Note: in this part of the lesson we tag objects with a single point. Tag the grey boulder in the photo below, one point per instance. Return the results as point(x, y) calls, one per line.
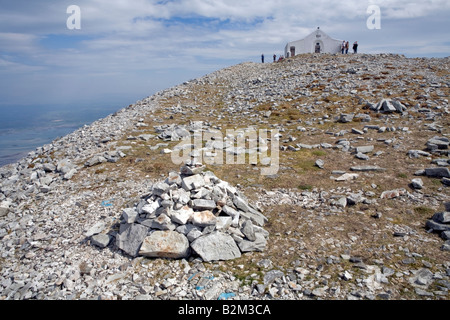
point(216, 246)
point(438, 172)
point(259, 244)
point(165, 244)
point(130, 238)
point(101, 240)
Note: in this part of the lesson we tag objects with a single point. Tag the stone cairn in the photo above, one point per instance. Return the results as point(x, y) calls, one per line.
point(192, 212)
point(388, 106)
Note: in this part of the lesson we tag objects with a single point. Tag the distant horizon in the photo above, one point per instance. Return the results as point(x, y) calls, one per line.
point(25, 128)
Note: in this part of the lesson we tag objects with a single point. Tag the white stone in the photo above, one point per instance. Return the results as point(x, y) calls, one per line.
point(165, 244)
point(203, 218)
point(216, 246)
point(151, 207)
point(181, 216)
point(193, 182)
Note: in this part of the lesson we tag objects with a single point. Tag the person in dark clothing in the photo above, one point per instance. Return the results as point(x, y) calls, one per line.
point(274, 57)
point(262, 58)
point(355, 47)
point(346, 47)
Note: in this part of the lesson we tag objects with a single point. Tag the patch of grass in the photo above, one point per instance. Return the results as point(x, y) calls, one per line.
point(245, 268)
point(305, 187)
point(319, 153)
point(246, 279)
point(100, 170)
point(422, 210)
point(332, 98)
point(264, 107)
point(402, 175)
point(435, 182)
point(304, 160)
point(305, 166)
point(154, 167)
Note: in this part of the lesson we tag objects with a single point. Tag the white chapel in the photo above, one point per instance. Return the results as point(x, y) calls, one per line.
point(316, 42)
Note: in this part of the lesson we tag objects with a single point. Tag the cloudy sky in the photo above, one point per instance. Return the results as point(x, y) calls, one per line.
point(127, 50)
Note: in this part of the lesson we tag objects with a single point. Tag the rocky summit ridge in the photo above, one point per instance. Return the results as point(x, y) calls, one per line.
point(357, 208)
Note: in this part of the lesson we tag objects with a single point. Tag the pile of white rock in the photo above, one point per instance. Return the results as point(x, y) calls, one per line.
point(190, 213)
point(388, 106)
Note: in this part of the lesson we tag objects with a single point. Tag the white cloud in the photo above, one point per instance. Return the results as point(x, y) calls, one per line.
point(123, 45)
point(7, 67)
point(19, 42)
point(405, 9)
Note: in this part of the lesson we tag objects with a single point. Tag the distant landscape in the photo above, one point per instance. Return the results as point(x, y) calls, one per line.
point(24, 128)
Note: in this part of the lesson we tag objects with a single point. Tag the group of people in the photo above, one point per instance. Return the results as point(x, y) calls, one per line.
point(274, 58)
point(345, 46)
point(344, 49)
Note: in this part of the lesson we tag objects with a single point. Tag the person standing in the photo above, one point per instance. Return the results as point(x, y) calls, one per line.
point(274, 57)
point(262, 58)
point(346, 47)
point(343, 47)
point(355, 47)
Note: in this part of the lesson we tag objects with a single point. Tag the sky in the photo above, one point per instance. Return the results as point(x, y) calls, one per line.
point(121, 51)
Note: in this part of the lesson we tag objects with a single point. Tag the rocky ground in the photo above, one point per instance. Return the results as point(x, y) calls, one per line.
point(357, 210)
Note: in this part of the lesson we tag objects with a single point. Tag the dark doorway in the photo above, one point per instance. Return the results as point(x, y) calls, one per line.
point(317, 48)
point(292, 51)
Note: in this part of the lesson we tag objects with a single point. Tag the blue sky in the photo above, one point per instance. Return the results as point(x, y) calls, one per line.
point(128, 50)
